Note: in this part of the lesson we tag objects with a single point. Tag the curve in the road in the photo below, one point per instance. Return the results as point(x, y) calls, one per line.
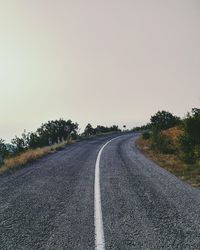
point(50, 203)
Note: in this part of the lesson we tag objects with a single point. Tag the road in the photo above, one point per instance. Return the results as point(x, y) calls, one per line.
point(50, 203)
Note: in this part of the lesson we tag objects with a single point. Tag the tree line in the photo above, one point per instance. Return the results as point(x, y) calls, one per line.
point(51, 132)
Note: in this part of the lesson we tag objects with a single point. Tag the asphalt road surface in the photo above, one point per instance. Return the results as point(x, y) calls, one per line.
point(50, 204)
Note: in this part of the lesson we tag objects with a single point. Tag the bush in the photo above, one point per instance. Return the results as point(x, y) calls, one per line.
point(19, 144)
point(189, 143)
point(163, 120)
point(3, 149)
point(146, 135)
point(197, 152)
point(162, 143)
point(186, 149)
point(192, 126)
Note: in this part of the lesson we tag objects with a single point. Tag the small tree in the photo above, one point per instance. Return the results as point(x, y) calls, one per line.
point(54, 130)
point(192, 126)
point(190, 141)
point(34, 140)
point(161, 142)
point(146, 135)
point(186, 149)
point(3, 150)
point(163, 120)
point(89, 130)
point(19, 143)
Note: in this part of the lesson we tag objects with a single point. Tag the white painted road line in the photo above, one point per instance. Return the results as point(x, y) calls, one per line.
point(98, 220)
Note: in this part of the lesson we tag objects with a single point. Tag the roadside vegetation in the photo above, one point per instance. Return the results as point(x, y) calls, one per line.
point(48, 138)
point(174, 143)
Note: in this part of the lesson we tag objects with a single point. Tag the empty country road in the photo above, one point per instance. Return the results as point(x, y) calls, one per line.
point(103, 185)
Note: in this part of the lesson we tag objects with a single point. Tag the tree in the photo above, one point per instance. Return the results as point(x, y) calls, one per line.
point(89, 130)
point(192, 126)
point(161, 142)
point(55, 131)
point(102, 129)
point(3, 149)
point(195, 112)
point(115, 128)
point(190, 140)
point(19, 143)
point(34, 140)
point(163, 120)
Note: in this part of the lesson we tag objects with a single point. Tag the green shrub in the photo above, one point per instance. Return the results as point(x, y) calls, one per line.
point(197, 152)
point(163, 120)
point(189, 143)
point(186, 149)
point(162, 143)
point(3, 149)
point(146, 135)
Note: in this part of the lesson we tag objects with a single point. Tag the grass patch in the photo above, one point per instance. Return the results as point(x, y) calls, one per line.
point(30, 156)
point(172, 163)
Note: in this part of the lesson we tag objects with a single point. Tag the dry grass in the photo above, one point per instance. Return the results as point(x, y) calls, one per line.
point(30, 155)
point(174, 132)
point(172, 163)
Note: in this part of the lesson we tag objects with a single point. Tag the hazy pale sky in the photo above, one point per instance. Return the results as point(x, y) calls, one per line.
point(98, 61)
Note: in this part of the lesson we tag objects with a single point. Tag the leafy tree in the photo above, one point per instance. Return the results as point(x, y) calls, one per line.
point(192, 126)
point(55, 131)
point(3, 149)
point(11, 149)
point(148, 126)
point(146, 135)
point(195, 112)
point(89, 130)
point(48, 133)
point(190, 140)
point(161, 142)
point(163, 120)
point(187, 149)
point(19, 143)
point(34, 140)
point(102, 129)
point(114, 128)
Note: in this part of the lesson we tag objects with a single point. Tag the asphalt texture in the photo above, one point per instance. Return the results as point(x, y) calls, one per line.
point(49, 204)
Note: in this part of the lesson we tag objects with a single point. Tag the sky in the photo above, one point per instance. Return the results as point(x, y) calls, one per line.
point(104, 62)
